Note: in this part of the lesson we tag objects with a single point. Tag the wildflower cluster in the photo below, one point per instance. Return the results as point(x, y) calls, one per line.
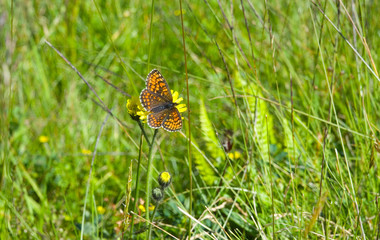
point(234, 155)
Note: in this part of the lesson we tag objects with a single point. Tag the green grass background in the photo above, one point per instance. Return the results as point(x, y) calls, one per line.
point(305, 120)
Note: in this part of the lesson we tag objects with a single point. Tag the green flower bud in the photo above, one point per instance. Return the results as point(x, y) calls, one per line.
point(157, 194)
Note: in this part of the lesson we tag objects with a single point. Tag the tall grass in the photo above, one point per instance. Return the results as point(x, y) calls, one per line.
point(284, 116)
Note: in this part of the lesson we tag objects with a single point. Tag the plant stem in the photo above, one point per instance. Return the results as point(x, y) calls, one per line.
point(150, 225)
point(150, 32)
point(148, 188)
point(143, 132)
point(189, 124)
point(137, 185)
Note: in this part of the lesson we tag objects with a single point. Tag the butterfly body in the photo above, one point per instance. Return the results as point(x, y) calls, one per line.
point(157, 99)
point(163, 107)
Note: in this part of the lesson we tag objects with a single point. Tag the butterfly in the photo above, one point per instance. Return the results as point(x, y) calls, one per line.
point(157, 99)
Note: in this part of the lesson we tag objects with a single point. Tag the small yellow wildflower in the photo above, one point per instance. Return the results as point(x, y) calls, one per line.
point(43, 139)
point(86, 151)
point(135, 109)
point(176, 99)
point(142, 208)
point(151, 207)
point(234, 155)
point(101, 210)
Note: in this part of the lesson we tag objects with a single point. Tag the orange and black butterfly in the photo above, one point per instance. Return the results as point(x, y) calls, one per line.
point(157, 99)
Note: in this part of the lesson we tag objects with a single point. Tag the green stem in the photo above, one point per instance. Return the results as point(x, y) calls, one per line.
point(150, 32)
point(143, 132)
point(150, 225)
point(189, 124)
point(148, 188)
point(137, 185)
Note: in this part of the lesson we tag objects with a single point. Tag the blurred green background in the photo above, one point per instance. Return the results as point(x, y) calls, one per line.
point(279, 82)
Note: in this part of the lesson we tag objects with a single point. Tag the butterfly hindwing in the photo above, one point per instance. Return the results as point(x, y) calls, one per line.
point(157, 84)
point(150, 100)
point(173, 122)
point(156, 119)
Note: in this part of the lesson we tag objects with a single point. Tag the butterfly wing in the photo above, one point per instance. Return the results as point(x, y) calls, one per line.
point(173, 121)
point(155, 83)
point(150, 100)
point(156, 119)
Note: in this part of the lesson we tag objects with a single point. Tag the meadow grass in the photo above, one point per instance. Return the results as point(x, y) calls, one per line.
point(283, 99)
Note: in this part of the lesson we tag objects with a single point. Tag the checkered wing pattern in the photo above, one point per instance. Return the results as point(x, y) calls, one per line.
point(150, 100)
point(155, 83)
point(155, 119)
point(173, 122)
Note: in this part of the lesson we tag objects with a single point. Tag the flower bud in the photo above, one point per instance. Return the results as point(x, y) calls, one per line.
point(164, 179)
point(157, 194)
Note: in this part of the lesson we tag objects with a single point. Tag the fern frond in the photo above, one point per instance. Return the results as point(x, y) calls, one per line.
point(259, 115)
point(206, 171)
point(289, 144)
point(209, 136)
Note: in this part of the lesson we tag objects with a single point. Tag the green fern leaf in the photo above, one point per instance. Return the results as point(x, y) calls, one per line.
point(209, 136)
point(203, 165)
point(259, 115)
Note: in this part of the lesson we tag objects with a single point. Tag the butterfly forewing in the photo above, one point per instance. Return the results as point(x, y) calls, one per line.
point(173, 121)
point(156, 84)
point(155, 119)
point(150, 100)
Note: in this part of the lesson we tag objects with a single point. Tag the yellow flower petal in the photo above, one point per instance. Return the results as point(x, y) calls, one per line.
point(181, 107)
point(175, 95)
point(143, 115)
point(179, 100)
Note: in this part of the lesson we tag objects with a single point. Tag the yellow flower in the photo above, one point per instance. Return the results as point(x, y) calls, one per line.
point(151, 207)
point(164, 179)
point(43, 139)
point(135, 109)
point(234, 155)
point(86, 151)
point(101, 210)
point(142, 208)
point(177, 100)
